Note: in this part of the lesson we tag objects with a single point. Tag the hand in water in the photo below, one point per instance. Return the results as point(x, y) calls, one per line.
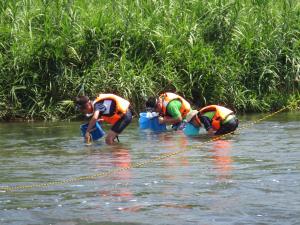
point(211, 131)
point(87, 138)
point(160, 120)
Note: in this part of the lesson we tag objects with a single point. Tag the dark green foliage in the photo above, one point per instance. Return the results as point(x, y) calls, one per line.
point(243, 54)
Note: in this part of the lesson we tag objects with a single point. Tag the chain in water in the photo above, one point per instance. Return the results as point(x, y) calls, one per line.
point(113, 171)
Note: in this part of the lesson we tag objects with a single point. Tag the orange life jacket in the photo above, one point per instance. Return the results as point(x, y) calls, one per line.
point(167, 97)
point(122, 106)
point(221, 114)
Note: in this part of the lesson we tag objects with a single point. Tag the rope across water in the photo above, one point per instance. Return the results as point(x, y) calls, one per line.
point(4, 189)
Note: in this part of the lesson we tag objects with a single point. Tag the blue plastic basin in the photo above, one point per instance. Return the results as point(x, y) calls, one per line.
point(149, 120)
point(96, 131)
point(144, 121)
point(155, 126)
point(190, 130)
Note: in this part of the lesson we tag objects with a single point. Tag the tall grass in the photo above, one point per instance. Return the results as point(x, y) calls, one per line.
point(245, 54)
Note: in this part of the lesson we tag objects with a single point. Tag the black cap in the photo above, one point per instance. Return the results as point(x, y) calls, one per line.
point(151, 103)
point(81, 101)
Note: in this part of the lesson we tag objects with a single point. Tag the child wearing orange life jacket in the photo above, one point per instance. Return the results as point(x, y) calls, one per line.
point(216, 119)
point(111, 108)
point(171, 107)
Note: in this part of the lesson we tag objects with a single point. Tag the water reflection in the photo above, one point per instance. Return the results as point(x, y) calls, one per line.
point(174, 143)
point(221, 155)
point(251, 178)
point(112, 158)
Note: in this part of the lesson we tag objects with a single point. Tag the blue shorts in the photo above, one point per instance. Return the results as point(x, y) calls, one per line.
point(123, 122)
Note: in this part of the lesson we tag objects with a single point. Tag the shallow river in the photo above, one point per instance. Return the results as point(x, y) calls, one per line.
point(251, 177)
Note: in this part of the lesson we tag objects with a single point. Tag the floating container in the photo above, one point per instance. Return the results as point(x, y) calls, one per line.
point(96, 132)
point(191, 130)
point(144, 120)
point(156, 126)
point(149, 120)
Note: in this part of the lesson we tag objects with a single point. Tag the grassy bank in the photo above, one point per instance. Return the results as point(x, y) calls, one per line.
point(244, 54)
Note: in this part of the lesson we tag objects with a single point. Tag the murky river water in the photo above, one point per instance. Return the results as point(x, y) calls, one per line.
point(252, 177)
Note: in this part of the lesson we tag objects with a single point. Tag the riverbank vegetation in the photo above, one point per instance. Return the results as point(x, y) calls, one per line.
point(244, 54)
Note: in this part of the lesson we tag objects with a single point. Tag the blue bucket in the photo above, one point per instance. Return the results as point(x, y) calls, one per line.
point(156, 126)
point(190, 130)
point(144, 121)
point(96, 131)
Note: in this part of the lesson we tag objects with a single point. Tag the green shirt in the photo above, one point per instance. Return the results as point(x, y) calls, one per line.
point(209, 114)
point(173, 108)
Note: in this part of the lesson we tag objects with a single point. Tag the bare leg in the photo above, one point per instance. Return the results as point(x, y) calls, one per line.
point(111, 135)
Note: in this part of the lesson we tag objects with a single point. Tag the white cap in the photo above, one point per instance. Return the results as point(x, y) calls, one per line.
point(190, 115)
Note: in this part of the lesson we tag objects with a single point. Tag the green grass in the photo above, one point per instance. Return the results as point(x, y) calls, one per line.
point(243, 54)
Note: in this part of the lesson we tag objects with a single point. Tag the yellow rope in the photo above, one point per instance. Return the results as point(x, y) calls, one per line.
point(113, 171)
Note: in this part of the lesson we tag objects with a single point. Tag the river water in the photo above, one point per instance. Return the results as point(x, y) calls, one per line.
point(251, 177)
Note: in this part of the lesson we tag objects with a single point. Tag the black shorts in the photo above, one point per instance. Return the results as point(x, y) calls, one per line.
point(228, 127)
point(122, 123)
